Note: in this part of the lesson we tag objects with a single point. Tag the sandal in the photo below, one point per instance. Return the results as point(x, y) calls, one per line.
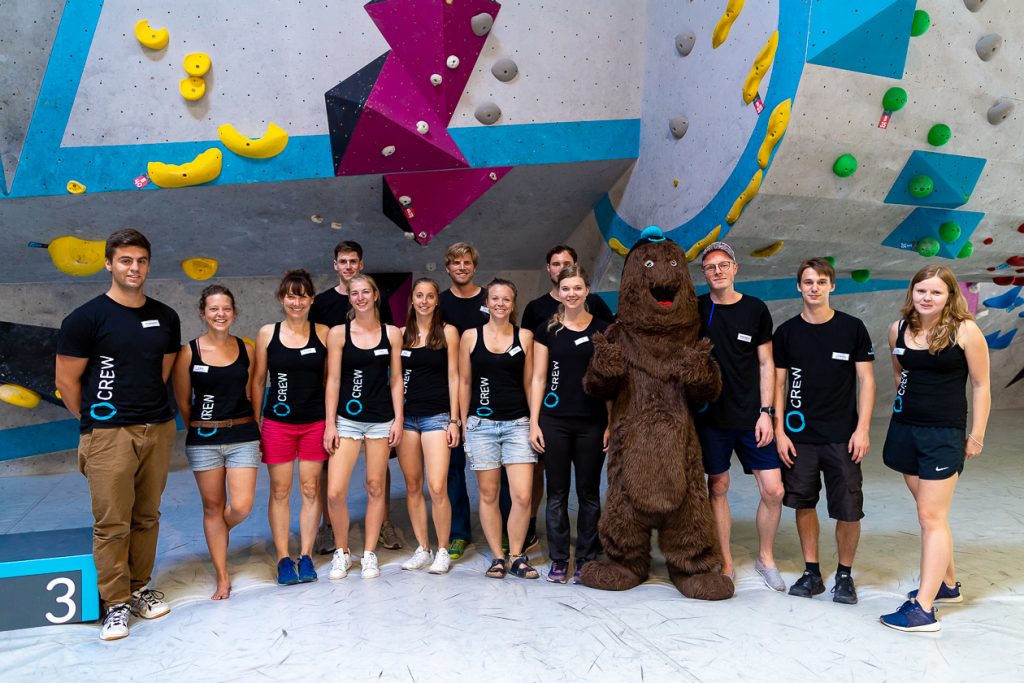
point(497, 569)
point(521, 568)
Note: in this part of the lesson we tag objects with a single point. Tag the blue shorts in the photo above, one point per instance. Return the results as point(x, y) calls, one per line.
point(351, 429)
point(925, 452)
point(214, 456)
point(493, 443)
point(717, 446)
point(430, 423)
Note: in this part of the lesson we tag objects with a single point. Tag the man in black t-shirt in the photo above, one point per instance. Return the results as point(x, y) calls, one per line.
point(539, 311)
point(822, 422)
point(740, 328)
point(114, 356)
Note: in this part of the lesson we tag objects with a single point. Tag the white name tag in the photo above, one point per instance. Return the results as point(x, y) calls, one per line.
point(380, 352)
point(151, 323)
point(840, 356)
point(582, 340)
point(898, 351)
point(484, 309)
point(514, 350)
point(406, 353)
point(306, 352)
point(743, 337)
point(200, 368)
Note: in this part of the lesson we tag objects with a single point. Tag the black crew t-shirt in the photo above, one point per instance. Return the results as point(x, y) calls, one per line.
point(465, 314)
point(538, 312)
point(365, 394)
point(569, 353)
point(331, 308)
point(296, 389)
point(219, 393)
point(123, 382)
point(735, 330)
point(821, 389)
point(496, 388)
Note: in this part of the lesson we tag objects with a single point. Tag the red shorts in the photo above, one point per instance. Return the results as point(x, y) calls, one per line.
point(283, 442)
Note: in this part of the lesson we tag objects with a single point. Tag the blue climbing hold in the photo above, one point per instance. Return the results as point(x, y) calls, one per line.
point(997, 340)
point(1005, 300)
point(652, 233)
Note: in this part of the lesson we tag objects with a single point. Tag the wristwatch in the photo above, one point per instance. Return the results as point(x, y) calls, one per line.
point(768, 410)
point(457, 423)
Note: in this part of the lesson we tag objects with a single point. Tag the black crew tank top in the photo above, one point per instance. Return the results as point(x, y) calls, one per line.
point(365, 394)
point(295, 393)
point(496, 388)
point(932, 390)
point(218, 393)
point(425, 376)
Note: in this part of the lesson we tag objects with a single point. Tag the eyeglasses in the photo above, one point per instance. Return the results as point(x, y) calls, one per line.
point(724, 266)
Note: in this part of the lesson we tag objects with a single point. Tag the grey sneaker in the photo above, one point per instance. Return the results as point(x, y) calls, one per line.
point(148, 604)
point(389, 537)
point(772, 577)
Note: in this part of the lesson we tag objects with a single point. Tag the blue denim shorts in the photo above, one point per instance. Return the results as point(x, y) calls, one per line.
point(493, 443)
point(214, 456)
point(430, 423)
point(351, 429)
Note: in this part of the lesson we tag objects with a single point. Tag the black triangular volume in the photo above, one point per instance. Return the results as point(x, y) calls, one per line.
point(27, 358)
point(1017, 378)
point(345, 103)
point(394, 210)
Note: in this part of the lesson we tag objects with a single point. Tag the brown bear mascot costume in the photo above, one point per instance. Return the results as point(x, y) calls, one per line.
point(652, 366)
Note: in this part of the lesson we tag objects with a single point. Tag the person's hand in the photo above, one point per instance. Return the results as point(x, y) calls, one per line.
point(786, 449)
point(972, 447)
point(536, 438)
point(331, 440)
point(859, 445)
point(453, 434)
point(604, 439)
point(763, 431)
point(395, 434)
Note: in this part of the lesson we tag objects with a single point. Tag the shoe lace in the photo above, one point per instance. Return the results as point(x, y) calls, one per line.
point(151, 597)
point(117, 615)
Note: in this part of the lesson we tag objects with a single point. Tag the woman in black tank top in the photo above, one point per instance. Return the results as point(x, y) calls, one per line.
point(212, 381)
point(430, 375)
point(292, 424)
point(364, 407)
point(936, 346)
point(495, 367)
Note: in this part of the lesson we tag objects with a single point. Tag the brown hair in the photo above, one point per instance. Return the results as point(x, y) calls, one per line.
point(347, 247)
point(502, 282)
point(126, 237)
point(212, 290)
point(435, 337)
point(819, 265)
point(557, 321)
point(558, 249)
point(953, 313)
point(376, 291)
point(461, 249)
point(298, 282)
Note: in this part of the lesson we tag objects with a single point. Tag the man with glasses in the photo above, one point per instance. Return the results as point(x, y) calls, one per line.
point(740, 327)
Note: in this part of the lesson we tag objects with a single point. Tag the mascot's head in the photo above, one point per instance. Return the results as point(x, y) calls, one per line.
point(656, 293)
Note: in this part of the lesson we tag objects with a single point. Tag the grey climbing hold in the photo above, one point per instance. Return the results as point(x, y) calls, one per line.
point(505, 69)
point(487, 113)
point(482, 23)
point(987, 46)
point(685, 42)
point(974, 5)
point(1000, 111)
point(678, 125)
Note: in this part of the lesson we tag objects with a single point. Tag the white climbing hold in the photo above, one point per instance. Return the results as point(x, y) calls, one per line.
point(453, 62)
point(435, 79)
point(422, 127)
point(405, 200)
point(388, 151)
point(987, 46)
point(422, 235)
point(492, 175)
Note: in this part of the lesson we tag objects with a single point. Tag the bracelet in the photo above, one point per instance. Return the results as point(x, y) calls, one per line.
point(971, 437)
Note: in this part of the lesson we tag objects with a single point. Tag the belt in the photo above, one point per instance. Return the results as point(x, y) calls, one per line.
point(222, 424)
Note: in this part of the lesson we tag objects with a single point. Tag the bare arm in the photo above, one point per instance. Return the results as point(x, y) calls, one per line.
point(250, 351)
point(897, 369)
point(860, 441)
point(465, 373)
point(451, 336)
point(183, 383)
point(259, 372)
point(783, 444)
point(526, 340)
point(397, 386)
point(976, 349)
point(69, 373)
point(335, 343)
point(538, 381)
point(763, 431)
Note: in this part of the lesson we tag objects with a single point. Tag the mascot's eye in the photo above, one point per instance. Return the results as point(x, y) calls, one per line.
point(673, 263)
point(649, 263)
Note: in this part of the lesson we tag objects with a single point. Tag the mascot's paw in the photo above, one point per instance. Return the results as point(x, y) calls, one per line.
point(712, 586)
point(607, 357)
point(609, 576)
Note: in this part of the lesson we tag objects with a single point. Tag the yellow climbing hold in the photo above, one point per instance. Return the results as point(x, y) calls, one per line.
point(199, 268)
point(271, 144)
point(192, 88)
point(204, 168)
point(721, 32)
point(741, 202)
point(18, 396)
point(75, 256)
point(778, 122)
point(770, 250)
point(153, 38)
point(197, 63)
point(618, 247)
point(75, 187)
point(763, 60)
point(693, 252)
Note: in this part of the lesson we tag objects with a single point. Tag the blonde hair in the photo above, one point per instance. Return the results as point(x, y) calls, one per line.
point(461, 249)
point(953, 313)
point(376, 295)
point(502, 282)
point(557, 321)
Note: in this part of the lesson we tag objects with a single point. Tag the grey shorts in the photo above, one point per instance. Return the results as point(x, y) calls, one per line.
point(493, 443)
point(213, 456)
point(351, 429)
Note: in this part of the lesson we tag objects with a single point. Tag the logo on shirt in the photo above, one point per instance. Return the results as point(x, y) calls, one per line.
point(897, 405)
point(282, 409)
point(206, 414)
point(795, 420)
point(105, 409)
point(551, 400)
point(485, 409)
point(405, 379)
point(355, 406)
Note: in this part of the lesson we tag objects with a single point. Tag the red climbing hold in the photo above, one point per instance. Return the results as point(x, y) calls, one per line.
point(987, 240)
point(1016, 261)
point(1003, 280)
point(1020, 228)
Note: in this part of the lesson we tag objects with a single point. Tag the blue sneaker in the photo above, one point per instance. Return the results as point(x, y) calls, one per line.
point(946, 594)
point(286, 575)
point(912, 617)
point(307, 572)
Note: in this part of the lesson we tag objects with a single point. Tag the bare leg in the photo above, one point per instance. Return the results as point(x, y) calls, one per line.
point(933, 501)
point(489, 483)
point(436, 455)
point(278, 510)
point(718, 490)
point(807, 528)
point(211, 490)
point(847, 538)
point(309, 515)
point(520, 484)
point(410, 458)
point(377, 452)
point(950, 578)
point(769, 512)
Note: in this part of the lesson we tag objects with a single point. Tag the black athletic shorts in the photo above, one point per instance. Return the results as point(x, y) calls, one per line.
point(926, 452)
point(844, 484)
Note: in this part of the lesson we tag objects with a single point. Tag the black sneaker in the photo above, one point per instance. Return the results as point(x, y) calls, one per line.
point(844, 590)
point(531, 542)
point(807, 586)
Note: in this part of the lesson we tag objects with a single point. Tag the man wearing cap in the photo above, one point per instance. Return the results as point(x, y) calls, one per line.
point(740, 327)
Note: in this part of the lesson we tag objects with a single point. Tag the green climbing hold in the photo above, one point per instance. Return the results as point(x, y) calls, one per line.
point(921, 186)
point(894, 99)
point(949, 231)
point(861, 275)
point(939, 135)
point(927, 247)
point(831, 260)
point(966, 251)
point(845, 166)
point(921, 23)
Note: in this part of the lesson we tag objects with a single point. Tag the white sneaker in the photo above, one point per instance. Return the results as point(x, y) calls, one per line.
point(148, 604)
point(420, 559)
point(115, 624)
point(370, 569)
point(442, 562)
point(339, 565)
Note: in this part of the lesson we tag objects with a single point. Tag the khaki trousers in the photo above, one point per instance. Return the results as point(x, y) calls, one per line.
point(127, 471)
